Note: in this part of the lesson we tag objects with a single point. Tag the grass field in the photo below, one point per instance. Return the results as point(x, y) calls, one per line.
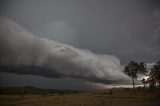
point(117, 98)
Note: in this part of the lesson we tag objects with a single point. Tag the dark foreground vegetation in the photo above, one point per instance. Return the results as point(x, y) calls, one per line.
point(30, 96)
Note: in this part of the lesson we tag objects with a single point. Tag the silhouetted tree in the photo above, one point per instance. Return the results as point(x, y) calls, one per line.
point(144, 81)
point(151, 82)
point(154, 75)
point(133, 68)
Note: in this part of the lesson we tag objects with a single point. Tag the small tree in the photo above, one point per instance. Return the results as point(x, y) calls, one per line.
point(154, 75)
point(133, 68)
point(144, 81)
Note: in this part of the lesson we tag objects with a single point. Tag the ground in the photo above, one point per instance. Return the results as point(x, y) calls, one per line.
point(116, 98)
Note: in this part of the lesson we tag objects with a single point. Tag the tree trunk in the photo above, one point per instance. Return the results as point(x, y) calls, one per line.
point(133, 82)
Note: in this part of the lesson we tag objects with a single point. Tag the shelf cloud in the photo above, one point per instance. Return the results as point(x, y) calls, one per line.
point(22, 52)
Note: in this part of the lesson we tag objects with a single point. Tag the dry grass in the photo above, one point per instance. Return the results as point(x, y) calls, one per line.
point(143, 98)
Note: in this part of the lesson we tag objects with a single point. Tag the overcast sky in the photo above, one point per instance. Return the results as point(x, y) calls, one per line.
point(127, 29)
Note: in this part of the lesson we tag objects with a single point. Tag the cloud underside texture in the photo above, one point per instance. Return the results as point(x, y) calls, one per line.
point(22, 52)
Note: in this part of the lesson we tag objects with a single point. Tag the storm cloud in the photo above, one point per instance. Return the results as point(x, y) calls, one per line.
point(24, 53)
point(128, 29)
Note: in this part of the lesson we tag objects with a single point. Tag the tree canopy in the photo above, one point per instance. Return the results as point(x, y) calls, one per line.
point(133, 68)
point(154, 75)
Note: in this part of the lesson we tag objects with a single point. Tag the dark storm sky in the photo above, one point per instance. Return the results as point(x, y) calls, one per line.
point(128, 29)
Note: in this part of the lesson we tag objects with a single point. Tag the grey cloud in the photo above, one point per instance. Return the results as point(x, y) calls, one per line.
point(128, 29)
point(24, 53)
point(62, 31)
point(13, 79)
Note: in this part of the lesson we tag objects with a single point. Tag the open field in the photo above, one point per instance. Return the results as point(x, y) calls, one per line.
point(117, 98)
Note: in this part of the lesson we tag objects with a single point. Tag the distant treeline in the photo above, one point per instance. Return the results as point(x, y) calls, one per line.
point(32, 90)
